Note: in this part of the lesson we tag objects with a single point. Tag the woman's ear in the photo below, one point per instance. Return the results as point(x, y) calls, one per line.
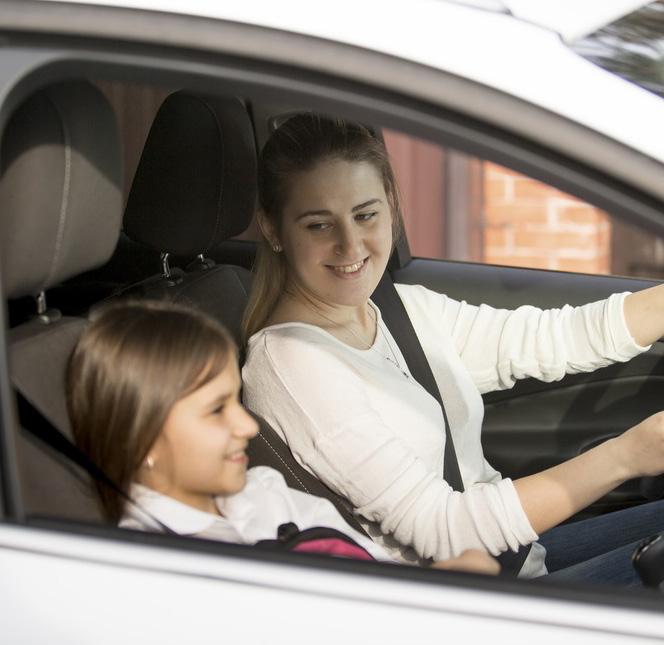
point(267, 230)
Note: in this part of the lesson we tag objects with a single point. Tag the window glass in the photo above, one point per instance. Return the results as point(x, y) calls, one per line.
point(632, 47)
point(458, 207)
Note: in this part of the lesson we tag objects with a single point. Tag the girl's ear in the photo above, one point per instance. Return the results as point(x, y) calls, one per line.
point(267, 230)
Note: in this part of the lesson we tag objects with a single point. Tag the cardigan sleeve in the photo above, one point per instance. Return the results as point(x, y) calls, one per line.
point(333, 429)
point(500, 346)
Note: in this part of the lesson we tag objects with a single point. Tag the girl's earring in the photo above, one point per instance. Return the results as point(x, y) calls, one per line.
point(276, 248)
point(149, 462)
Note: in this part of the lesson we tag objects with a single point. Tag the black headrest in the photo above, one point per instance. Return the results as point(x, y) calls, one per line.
point(60, 188)
point(195, 185)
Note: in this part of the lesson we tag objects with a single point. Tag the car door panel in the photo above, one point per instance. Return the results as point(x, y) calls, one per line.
point(536, 425)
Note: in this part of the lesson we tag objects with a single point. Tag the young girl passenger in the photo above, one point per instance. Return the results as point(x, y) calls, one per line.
point(153, 395)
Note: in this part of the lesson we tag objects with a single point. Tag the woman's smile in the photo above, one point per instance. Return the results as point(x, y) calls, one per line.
point(349, 271)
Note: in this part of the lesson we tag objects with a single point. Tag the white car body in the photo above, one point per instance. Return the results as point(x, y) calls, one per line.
point(57, 587)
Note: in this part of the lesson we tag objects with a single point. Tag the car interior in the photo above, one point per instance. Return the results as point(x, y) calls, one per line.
point(73, 236)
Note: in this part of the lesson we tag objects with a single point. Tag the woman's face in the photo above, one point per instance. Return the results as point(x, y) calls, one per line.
point(336, 232)
point(200, 452)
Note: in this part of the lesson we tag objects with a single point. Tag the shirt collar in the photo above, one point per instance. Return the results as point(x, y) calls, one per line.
point(178, 517)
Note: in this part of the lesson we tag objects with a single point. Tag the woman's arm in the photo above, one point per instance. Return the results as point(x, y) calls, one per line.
point(471, 561)
point(644, 314)
point(500, 346)
point(550, 497)
point(333, 424)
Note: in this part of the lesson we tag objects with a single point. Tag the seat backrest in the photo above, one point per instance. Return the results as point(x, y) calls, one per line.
point(60, 205)
point(195, 187)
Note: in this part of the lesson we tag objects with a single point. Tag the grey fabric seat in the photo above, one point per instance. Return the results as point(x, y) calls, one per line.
point(60, 215)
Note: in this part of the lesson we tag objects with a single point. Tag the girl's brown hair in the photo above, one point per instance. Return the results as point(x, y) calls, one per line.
point(131, 365)
point(298, 145)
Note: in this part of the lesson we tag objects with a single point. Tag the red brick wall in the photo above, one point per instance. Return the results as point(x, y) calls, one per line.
point(529, 224)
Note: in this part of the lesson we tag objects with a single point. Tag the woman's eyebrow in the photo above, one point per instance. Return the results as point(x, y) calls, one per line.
point(310, 213)
point(369, 202)
point(323, 211)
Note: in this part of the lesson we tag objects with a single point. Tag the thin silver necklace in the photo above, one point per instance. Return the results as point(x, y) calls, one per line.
point(394, 360)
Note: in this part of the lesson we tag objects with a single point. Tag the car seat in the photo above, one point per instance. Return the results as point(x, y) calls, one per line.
point(195, 187)
point(60, 205)
point(197, 168)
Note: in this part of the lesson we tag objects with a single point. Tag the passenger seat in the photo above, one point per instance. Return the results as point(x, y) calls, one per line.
point(195, 187)
point(60, 205)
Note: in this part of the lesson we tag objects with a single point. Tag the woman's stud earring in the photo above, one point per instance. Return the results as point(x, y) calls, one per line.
point(149, 462)
point(277, 248)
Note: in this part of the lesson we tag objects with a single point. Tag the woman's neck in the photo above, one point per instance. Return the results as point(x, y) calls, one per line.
point(354, 325)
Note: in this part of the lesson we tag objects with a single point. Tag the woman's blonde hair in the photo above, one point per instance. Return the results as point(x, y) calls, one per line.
point(131, 365)
point(298, 145)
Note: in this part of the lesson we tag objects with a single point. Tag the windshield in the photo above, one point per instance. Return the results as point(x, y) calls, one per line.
point(632, 47)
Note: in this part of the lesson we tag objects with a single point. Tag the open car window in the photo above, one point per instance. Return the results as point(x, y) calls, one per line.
point(449, 165)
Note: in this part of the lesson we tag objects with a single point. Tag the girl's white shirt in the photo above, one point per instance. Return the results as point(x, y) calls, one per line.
point(253, 514)
point(373, 434)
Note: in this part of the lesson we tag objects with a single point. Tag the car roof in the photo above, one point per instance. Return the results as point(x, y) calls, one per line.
point(568, 18)
point(572, 19)
point(467, 41)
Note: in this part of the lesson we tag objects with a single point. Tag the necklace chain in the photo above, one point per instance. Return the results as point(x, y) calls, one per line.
point(379, 330)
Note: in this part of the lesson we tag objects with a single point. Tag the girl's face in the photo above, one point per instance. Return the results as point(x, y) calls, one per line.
point(200, 452)
point(336, 232)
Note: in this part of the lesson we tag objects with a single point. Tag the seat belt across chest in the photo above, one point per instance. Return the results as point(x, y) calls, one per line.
point(398, 322)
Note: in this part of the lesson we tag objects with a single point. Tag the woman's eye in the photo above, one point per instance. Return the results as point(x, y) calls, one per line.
point(363, 217)
point(318, 226)
point(218, 410)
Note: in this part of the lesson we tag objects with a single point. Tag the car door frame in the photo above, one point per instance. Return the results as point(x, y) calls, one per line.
point(39, 59)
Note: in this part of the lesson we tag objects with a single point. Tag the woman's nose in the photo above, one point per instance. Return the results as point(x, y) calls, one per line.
point(349, 240)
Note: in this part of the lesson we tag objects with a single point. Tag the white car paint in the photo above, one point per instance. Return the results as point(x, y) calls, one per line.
point(131, 593)
point(493, 49)
point(135, 593)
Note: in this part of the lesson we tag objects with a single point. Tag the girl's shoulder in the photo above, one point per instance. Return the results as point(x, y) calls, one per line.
point(264, 477)
point(265, 491)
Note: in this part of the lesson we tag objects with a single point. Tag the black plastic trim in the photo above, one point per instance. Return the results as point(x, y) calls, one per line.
point(23, 71)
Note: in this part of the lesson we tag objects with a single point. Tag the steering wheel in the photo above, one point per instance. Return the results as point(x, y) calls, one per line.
point(652, 488)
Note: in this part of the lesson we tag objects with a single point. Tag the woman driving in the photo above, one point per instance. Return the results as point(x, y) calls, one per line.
point(325, 371)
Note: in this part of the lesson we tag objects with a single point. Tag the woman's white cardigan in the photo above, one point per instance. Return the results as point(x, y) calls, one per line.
point(364, 426)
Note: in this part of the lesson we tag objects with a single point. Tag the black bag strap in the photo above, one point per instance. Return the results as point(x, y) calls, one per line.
point(35, 423)
point(396, 319)
point(289, 536)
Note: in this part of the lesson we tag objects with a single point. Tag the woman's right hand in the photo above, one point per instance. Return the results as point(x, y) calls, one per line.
point(642, 447)
point(553, 495)
point(471, 560)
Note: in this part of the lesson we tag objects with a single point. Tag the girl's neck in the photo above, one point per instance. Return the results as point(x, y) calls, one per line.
point(205, 503)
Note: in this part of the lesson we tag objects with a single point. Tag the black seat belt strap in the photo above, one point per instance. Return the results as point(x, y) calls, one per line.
point(34, 422)
point(398, 322)
point(396, 319)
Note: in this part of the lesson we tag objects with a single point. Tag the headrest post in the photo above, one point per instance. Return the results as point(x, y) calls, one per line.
point(41, 303)
point(44, 314)
point(165, 266)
